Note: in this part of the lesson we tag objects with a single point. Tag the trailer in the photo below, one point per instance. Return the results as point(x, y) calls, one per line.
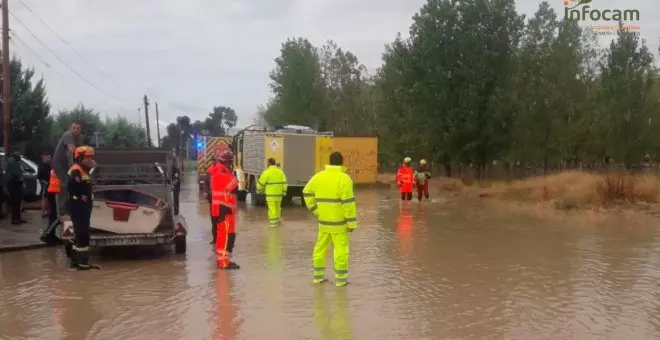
point(132, 202)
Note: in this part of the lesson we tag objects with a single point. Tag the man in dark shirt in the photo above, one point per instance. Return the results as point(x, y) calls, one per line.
point(176, 185)
point(43, 176)
point(14, 183)
point(63, 159)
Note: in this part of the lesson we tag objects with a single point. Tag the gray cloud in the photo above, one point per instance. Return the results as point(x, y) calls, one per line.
point(196, 54)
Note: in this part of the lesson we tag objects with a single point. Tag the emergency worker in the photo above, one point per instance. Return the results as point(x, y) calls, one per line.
point(213, 168)
point(80, 205)
point(329, 196)
point(404, 179)
point(224, 188)
point(273, 183)
point(422, 176)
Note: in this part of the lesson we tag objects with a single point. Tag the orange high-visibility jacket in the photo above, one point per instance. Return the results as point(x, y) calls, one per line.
point(404, 178)
point(54, 184)
point(222, 183)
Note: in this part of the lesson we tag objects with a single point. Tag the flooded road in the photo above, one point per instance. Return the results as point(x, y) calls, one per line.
point(435, 270)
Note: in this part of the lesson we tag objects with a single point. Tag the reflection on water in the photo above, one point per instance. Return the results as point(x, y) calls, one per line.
point(331, 315)
point(430, 270)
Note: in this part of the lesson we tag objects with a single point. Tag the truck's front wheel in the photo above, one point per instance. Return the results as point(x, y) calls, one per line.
point(180, 244)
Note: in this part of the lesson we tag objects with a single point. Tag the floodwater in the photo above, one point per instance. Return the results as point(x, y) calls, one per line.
point(435, 270)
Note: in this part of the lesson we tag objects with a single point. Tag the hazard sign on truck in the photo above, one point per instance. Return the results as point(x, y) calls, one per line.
point(205, 156)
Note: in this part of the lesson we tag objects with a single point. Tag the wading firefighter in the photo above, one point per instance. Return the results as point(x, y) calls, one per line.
point(273, 183)
point(329, 196)
point(80, 205)
point(422, 176)
point(224, 188)
point(405, 179)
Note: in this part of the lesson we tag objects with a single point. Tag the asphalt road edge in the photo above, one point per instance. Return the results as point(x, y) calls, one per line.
point(20, 247)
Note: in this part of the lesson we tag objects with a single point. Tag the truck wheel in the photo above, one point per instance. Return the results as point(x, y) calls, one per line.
point(180, 244)
point(68, 248)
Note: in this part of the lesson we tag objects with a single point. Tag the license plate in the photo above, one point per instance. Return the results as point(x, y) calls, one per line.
point(117, 242)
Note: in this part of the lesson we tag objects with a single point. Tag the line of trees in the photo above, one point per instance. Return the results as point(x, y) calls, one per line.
point(477, 82)
point(35, 129)
point(216, 124)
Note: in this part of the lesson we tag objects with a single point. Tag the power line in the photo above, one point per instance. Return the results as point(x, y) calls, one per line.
point(62, 61)
point(62, 79)
point(17, 38)
point(67, 43)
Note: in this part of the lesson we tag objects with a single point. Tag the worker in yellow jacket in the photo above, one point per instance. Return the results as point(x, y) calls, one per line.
point(272, 182)
point(329, 196)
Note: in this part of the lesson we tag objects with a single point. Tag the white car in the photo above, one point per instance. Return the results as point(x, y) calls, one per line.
point(31, 186)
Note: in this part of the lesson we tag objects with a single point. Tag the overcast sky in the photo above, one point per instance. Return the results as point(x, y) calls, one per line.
point(195, 54)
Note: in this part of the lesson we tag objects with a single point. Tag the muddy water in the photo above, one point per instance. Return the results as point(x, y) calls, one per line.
point(436, 270)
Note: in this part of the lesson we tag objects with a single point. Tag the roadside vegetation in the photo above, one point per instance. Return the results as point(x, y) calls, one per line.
point(476, 82)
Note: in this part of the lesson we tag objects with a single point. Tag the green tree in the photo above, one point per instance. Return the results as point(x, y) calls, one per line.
point(298, 86)
point(29, 107)
point(627, 92)
point(89, 118)
point(119, 132)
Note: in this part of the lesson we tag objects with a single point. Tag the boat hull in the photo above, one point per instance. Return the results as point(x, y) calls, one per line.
point(127, 211)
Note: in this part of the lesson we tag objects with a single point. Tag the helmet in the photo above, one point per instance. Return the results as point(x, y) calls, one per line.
point(83, 151)
point(422, 162)
point(224, 156)
point(407, 160)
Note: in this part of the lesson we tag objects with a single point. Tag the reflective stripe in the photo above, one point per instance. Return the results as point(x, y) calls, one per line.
point(341, 271)
point(341, 279)
point(271, 183)
point(334, 200)
point(327, 200)
point(319, 269)
point(81, 249)
point(351, 219)
point(308, 194)
point(312, 208)
point(274, 195)
point(330, 223)
point(319, 277)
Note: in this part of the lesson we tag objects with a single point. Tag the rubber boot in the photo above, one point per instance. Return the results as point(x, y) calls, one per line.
point(74, 259)
point(232, 265)
point(83, 261)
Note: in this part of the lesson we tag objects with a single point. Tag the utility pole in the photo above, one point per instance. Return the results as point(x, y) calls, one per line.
point(6, 79)
point(157, 125)
point(96, 135)
point(146, 117)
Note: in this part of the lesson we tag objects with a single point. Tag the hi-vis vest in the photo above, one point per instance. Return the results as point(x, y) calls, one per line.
point(85, 177)
point(54, 184)
point(222, 184)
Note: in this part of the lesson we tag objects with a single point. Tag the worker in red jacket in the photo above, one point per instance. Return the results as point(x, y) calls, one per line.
point(224, 188)
point(405, 179)
point(422, 176)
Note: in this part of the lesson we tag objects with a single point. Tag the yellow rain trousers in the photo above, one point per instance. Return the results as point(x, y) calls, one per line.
point(273, 184)
point(329, 196)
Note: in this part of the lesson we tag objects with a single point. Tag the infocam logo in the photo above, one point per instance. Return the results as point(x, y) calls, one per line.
point(579, 10)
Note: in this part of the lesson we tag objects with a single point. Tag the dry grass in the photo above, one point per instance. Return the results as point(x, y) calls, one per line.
point(565, 191)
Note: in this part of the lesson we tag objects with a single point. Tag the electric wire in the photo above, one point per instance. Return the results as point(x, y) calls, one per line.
point(62, 61)
point(69, 45)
